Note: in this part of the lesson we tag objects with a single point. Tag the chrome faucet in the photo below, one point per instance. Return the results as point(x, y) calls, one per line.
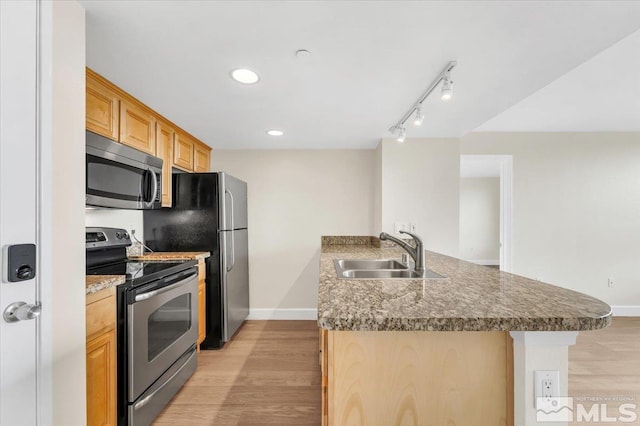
point(416, 253)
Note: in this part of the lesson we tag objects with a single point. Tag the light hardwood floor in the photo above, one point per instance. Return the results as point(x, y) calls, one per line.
point(269, 375)
point(606, 364)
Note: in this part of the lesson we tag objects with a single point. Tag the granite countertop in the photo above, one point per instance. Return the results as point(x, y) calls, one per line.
point(172, 256)
point(470, 297)
point(95, 283)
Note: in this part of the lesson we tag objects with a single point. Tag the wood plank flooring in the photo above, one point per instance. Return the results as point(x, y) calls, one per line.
point(606, 364)
point(269, 375)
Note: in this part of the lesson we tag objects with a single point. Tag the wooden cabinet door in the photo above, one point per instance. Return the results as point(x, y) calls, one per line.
point(137, 128)
point(202, 304)
point(102, 109)
point(183, 152)
point(202, 325)
point(101, 380)
point(165, 136)
point(201, 159)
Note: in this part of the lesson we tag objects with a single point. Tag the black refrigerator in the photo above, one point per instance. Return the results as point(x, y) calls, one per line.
point(209, 213)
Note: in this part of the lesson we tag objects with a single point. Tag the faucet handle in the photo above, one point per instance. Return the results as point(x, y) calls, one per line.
point(412, 235)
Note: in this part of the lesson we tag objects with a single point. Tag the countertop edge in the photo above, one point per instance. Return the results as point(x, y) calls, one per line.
point(96, 283)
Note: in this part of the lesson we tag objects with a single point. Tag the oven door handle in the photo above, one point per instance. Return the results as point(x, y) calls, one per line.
point(184, 280)
point(138, 405)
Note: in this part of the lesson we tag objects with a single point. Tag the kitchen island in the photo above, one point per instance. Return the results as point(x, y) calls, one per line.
point(457, 350)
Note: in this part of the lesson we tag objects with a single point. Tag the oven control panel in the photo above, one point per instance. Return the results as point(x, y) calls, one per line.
point(102, 238)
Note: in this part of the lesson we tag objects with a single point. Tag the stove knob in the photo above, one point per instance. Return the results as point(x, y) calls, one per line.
point(126, 236)
point(119, 235)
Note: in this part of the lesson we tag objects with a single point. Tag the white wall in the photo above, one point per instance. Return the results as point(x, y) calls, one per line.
point(420, 184)
point(68, 193)
point(576, 208)
point(480, 220)
point(295, 197)
point(116, 218)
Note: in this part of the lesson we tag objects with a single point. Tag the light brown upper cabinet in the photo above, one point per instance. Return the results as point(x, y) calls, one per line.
point(137, 127)
point(201, 159)
point(103, 108)
point(114, 113)
point(183, 149)
point(165, 136)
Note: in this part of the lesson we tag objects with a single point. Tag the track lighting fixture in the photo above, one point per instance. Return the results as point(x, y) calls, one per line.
point(447, 89)
point(419, 118)
point(402, 134)
point(398, 129)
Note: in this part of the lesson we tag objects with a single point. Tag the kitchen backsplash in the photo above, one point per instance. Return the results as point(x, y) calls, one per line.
point(116, 218)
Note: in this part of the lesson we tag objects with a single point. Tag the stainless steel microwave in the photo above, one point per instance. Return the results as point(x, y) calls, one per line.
point(121, 177)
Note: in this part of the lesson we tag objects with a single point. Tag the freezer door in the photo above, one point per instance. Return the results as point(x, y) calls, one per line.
point(233, 203)
point(235, 280)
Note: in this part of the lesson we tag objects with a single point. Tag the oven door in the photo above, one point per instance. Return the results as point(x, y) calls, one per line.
point(162, 322)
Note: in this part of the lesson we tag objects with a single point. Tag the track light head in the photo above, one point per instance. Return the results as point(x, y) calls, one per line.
point(419, 118)
point(402, 134)
point(447, 89)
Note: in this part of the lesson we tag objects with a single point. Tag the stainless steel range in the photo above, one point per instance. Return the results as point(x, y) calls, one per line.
point(157, 324)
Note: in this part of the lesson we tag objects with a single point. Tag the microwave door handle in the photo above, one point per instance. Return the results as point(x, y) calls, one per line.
point(154, 183)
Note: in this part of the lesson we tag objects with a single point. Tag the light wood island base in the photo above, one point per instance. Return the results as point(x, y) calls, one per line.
point(416, 378)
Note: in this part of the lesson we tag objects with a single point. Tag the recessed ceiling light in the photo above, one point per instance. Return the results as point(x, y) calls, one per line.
point(245, 76)
point(274, 132)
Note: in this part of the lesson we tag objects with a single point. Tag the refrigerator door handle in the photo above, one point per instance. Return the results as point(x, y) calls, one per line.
point(224, 279)
point(233, 244)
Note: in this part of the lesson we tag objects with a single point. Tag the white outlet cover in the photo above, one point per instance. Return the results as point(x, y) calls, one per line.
point(541, 379)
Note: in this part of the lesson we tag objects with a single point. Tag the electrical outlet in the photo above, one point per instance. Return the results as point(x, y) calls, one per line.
point(547, 384)
point(401, 226)
point(610, 282)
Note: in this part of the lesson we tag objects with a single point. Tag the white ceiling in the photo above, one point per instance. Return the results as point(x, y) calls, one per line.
point(602, 94)
point(370, 61)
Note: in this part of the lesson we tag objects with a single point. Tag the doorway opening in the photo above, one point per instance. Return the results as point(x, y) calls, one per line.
point(486, 210)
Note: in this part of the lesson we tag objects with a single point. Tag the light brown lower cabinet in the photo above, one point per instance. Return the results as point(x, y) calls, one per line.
point(412, 377)
point(101, 358)
point(202, 304)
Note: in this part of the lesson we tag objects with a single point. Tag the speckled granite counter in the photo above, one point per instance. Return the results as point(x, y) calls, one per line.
point(172, 256)
point(470, 298)
point(95, 283)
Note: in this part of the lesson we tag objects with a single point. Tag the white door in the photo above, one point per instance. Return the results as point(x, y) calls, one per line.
point(18, 204)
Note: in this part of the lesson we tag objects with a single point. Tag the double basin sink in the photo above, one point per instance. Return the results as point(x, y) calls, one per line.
point(378, 269)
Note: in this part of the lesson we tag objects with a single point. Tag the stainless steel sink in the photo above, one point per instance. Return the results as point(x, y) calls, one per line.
point(377, 269)
point(379, 274)
point(368, 264)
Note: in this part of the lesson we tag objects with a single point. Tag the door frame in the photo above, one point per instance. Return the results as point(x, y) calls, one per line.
point(505, 165)
point(38, 123)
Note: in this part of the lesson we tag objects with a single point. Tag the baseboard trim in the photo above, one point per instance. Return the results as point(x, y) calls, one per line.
point(486, 262)
point(283, 314)
point(625, 310)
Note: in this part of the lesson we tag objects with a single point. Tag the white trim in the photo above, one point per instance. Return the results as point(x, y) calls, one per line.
point(283, 314)
point(546, 338)
point(506, 212)
point(44, 408)
point(625, 310)
point(486, 262)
